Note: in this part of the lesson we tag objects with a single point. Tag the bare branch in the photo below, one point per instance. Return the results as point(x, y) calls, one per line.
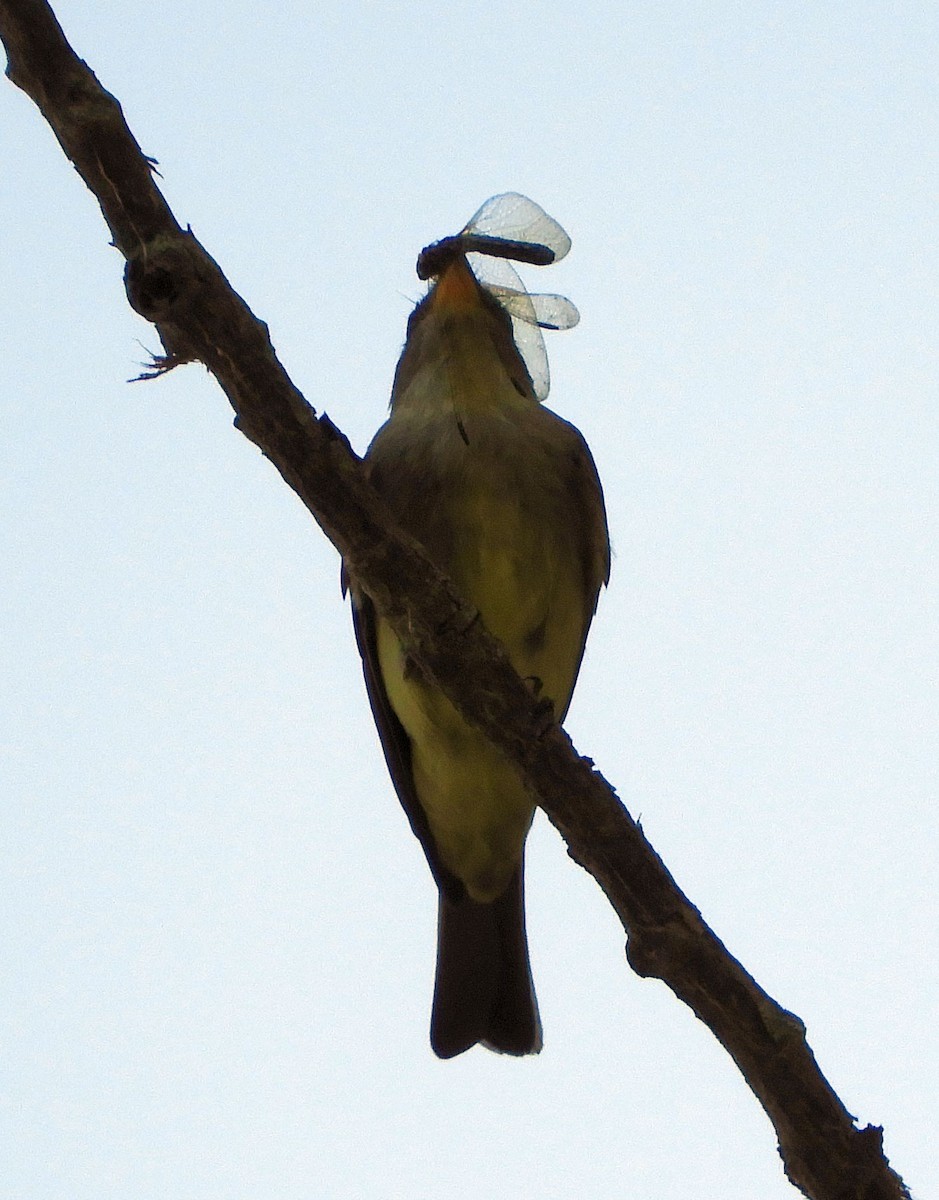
point(173, 282)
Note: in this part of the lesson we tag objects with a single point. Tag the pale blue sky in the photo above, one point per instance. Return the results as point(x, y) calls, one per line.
point(218, 928)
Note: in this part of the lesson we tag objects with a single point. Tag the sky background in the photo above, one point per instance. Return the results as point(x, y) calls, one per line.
point(217, 927)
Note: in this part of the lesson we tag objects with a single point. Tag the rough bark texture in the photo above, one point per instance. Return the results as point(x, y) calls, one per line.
point(173, 282)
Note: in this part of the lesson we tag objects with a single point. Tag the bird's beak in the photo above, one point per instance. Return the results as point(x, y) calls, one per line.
point(456, 289)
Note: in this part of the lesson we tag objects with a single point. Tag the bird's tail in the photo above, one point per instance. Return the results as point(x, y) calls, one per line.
point(484, 990)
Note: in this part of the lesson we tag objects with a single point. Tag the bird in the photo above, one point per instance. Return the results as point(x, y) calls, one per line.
point(504, 496)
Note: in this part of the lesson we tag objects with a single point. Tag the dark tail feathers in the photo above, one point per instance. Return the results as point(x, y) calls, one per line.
point(484, 991)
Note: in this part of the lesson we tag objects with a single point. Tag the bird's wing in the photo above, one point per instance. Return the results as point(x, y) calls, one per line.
point(395, 742)
point(585, 498)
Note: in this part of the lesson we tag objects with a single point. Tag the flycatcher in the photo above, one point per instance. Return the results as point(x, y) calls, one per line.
point(504, 496)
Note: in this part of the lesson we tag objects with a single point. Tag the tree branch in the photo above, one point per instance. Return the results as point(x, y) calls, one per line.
point(173, 282)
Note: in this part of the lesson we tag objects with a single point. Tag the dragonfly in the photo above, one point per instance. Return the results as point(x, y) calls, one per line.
point(511, 227)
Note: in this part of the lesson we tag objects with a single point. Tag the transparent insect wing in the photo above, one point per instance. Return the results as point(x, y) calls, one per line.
point(514, 217)
point(554, 312)
point(502, 281)
point(498, 276)
point(530, 345)
point(544, 309)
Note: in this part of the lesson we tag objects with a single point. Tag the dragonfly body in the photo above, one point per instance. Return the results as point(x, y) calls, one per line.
point(435, 257)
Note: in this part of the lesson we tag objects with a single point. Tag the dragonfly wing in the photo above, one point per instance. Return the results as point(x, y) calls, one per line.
point(514, 217)
point(538, 308)
point(502, 281)
point(530, 345)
